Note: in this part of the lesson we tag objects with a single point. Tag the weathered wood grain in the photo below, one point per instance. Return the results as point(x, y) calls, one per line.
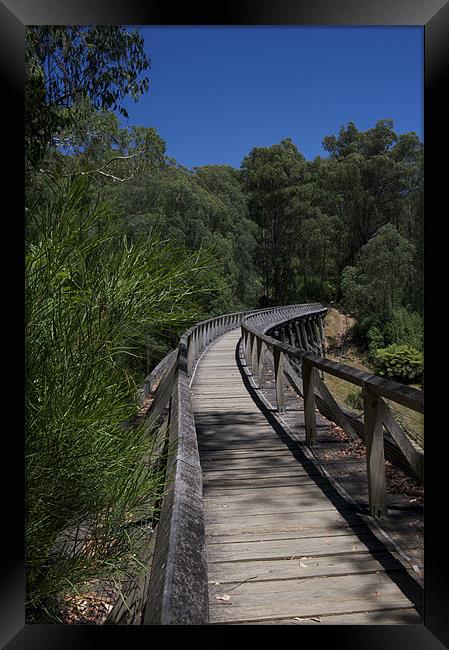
point(314, 597)
point(404, 616)
point(279, 540)
point(302, 568)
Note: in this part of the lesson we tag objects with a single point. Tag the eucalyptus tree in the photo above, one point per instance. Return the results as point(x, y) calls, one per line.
point(225, 183)
point(67, 64)
point(271, 178)
point(377, 179)
point(377, 284)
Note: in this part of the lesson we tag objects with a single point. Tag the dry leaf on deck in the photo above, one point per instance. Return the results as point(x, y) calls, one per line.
point(225, 597)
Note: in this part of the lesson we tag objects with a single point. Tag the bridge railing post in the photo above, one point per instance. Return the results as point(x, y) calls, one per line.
point(248, 350)
point(375, 454)
point(190, 355)
point(197, 342)
point(261, 348)
point(309, 401)
point(254, 363)
point(279, 378)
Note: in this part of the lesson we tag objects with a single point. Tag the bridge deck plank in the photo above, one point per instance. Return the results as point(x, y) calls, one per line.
point(281, 543)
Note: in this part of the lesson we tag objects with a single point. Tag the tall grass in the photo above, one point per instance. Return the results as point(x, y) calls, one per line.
point(88, 292)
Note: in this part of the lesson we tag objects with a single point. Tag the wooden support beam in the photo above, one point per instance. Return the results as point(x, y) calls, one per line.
point(375, 457)
point(290, 335)
point(322, 336)
point(248, 349)
point(293, 377)
point(413, 456)
point(317, 335)
point(340, 417)
point(309, 402)
point(254, 364)
point(261, 349)
point(283, 334)
point(305, 342)
point(195, 344)
point(279, 378)
point(312, 335)
point(298, 335)
point(190, 354)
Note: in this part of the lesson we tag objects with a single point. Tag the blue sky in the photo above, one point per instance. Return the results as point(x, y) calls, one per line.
point(217, 92)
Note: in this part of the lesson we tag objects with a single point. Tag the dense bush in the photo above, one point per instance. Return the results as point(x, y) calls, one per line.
point(375, 339)
point(87, 294)
point(399, 362)
point(355, 399)
point(363, 326)
point(405, 327)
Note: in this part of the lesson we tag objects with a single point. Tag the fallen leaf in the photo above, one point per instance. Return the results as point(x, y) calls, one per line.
point(225, 597)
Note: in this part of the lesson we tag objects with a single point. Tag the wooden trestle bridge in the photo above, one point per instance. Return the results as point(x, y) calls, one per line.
point(252, 529)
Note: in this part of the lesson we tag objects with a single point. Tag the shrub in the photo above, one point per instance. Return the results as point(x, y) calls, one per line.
point(363, 326)
point(375, 339)
point(405, 327)
point(87, 294)
point(355, 399)
point(399, 362)
point(329, 291)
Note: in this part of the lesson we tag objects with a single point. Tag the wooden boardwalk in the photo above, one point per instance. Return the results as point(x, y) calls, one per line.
point(282, 545)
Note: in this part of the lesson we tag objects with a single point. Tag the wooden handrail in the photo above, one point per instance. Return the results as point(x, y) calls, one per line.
point(375, 389)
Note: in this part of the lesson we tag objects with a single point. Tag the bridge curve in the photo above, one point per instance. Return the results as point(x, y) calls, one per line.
point(247, 516)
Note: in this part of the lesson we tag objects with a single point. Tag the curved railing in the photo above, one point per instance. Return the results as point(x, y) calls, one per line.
point(295, 359)
point(176, 592)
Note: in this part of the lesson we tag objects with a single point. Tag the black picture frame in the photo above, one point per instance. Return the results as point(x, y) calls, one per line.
point(433, 15)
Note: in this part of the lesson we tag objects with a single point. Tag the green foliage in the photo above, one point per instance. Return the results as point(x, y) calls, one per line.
point(378, 282)
point(66, 65)
point(399, 362)
point(271, 178)
point(362, 327)
point(88, 295)
point(375, 339)
point(207, 208)
point(355, 399)
point(405, 327)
